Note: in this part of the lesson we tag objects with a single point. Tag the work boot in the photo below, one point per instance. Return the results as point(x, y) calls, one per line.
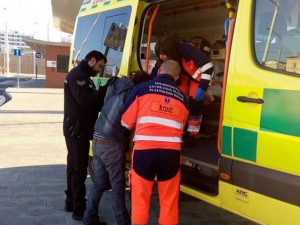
point(77, 216)
point(68, 207)
point(68, 202)
point(192, 141)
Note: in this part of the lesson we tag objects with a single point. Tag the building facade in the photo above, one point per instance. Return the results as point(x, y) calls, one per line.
point(15, 41)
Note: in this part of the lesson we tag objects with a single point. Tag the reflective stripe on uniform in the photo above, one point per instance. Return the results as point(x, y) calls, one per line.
point(196, 74)
point(206, 48)
point(202, 69)
point(206, 76)
point(206, 67)
point(156, 138)
point(193, 128)
point(194, 123)
point(160, 121)
point(124, 124)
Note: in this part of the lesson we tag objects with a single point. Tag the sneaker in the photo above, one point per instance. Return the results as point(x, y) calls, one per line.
point(77, 216)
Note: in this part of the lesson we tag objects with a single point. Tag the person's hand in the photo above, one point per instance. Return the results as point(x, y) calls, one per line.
point(199, 94)
point(109, 82)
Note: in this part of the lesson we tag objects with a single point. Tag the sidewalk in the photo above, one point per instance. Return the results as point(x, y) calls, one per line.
point(33, 167)
point(33, 155)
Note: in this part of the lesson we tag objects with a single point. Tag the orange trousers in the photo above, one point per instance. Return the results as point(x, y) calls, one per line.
point(189, 87)
point(165, 166)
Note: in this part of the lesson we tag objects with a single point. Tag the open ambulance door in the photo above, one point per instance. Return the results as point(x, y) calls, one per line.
point(260, 130)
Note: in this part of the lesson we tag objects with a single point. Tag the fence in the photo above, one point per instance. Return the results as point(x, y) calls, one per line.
point(27, 63)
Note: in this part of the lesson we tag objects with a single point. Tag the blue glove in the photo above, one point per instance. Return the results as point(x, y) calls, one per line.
point(199, 94)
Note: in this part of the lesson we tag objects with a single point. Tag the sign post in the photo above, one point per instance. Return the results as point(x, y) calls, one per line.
point(17, 52)
point(38, 55)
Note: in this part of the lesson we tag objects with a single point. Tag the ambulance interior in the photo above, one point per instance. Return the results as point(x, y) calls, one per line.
point(276, 34)
point(194, 22)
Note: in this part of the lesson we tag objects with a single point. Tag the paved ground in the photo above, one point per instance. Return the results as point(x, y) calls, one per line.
point(33, 164)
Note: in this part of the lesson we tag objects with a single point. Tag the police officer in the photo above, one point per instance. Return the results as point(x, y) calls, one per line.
point(82, 103)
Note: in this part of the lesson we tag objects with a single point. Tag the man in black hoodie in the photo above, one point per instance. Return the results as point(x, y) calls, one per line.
point(82, 103)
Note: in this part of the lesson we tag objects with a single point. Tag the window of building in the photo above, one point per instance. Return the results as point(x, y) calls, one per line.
point(62, 63)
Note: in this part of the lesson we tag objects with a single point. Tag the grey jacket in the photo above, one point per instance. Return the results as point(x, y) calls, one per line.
point(108, 125)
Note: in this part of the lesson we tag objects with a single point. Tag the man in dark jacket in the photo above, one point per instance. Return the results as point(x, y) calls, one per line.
point(82, 103)
point(109, 151)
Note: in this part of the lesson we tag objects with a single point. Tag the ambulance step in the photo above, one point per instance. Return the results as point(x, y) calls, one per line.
point(207, 169)
point(193, 178)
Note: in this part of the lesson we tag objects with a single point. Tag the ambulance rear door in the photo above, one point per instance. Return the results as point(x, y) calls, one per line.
point(260, 133)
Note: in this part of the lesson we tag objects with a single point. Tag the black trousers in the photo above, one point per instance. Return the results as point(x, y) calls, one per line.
point(77, 163)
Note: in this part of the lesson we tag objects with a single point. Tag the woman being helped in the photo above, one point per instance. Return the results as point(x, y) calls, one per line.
point(196, 74)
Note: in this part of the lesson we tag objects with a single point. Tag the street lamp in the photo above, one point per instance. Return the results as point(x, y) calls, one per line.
point(34, 29)
point(6, 44)
point(280, 46)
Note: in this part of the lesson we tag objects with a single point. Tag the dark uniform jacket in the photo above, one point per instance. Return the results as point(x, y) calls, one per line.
point(82, 102)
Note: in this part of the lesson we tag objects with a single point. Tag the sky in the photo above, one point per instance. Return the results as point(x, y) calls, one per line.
point(32, 17)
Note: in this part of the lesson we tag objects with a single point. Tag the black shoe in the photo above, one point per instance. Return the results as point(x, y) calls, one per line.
point(77, 216)
point(68, 201)
point(68, 207)
point(99, 223)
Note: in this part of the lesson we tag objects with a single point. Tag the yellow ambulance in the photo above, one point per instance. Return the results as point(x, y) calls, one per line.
point(247, 157)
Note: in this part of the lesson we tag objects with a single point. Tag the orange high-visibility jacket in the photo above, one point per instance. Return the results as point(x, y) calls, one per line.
point(159, 111)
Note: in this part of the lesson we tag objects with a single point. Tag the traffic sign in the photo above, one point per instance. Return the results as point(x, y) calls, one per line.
point(17, 52)
point(38, 55)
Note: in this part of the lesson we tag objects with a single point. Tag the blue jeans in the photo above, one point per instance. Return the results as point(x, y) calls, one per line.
point(109, 166)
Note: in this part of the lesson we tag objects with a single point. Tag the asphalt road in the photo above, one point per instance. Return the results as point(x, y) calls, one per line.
point(33, 164)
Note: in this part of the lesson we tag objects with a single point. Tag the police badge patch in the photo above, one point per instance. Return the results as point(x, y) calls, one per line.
point(80, 82)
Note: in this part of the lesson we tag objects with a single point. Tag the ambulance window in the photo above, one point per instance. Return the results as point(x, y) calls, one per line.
point(105, 32)
point(278, 46)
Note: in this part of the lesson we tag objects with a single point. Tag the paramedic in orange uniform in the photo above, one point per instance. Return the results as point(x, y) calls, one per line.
point(158, 110)
point(196, 74)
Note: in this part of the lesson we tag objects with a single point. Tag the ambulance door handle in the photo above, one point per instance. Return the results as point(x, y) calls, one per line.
point(251, 100)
